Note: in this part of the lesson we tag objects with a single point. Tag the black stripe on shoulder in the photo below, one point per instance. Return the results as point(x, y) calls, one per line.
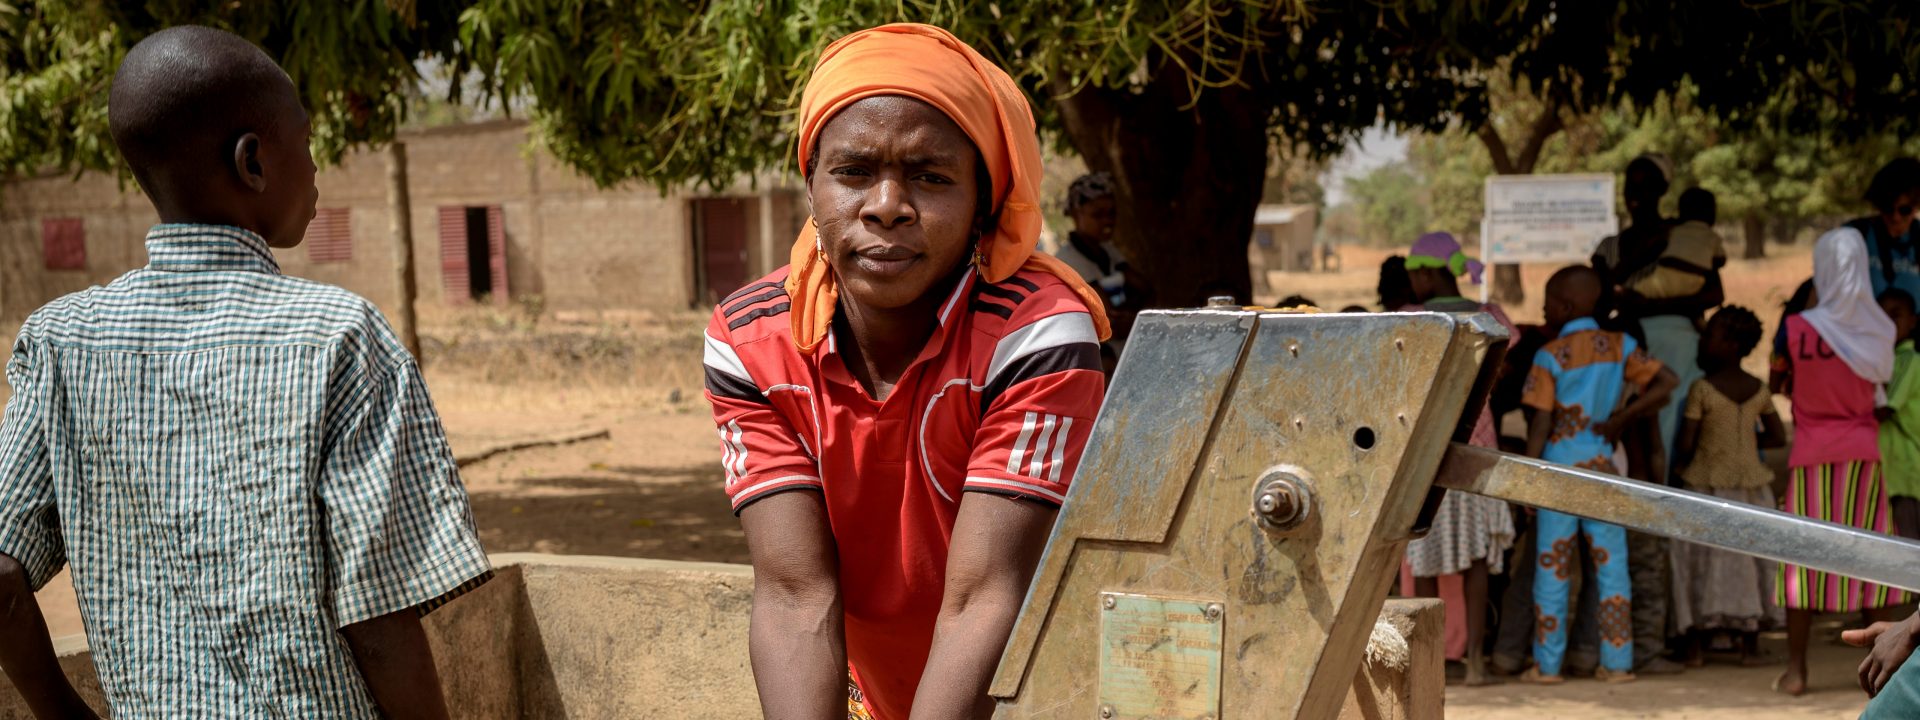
point(1023, 282)
point(727, 386)
point(1005, 313)
point(1002, 293)
point(762, 297)
point(1072, 356)
point(750, 289)
point(1014, 494)
point(773, 492)
point(740, 322)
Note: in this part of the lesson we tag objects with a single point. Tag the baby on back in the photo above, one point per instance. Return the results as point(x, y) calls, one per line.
point(1693, 252)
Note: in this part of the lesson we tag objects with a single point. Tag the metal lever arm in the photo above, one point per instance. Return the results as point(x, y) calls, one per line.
point(1692, 517)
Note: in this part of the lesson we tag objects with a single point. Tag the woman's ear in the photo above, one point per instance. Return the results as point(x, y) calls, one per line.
point(246, 162)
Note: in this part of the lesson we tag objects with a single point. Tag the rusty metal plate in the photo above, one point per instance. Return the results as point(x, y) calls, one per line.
point(1159, 657)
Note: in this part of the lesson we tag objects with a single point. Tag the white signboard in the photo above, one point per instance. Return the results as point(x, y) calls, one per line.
point(1546, 218)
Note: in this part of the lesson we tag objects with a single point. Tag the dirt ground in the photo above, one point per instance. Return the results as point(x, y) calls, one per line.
point(652, 488)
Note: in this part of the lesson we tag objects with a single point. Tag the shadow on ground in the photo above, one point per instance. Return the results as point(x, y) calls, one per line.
point(667, 513)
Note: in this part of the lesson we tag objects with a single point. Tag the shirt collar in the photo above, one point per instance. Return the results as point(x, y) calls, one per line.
point(182, 247)
point(1580, 325)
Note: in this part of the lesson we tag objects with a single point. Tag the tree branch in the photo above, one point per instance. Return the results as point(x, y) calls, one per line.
point(1543, 128)
point(1496, 148)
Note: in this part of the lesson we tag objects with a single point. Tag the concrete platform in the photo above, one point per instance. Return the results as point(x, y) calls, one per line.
point(562, 636)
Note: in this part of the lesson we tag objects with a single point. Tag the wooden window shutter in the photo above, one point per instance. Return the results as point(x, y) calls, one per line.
point(453, 255)
point(63, 243)
point(330, 236)
point(497, 252)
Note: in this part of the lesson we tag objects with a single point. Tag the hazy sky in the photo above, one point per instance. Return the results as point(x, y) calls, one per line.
point(1377, 146)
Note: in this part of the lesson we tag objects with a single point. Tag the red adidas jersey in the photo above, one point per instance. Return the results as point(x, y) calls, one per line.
point(1001, 401)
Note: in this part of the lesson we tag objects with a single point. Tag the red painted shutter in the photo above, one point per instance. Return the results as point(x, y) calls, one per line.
point(453, 255)
point(497, 252)
point(330, 236)
point(63, 242)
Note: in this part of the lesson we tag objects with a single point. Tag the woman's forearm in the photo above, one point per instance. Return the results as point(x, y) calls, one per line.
point(799, 655)
point(967, 644)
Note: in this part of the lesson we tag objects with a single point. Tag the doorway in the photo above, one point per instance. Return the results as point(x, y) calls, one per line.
point(479, 255)
point(473, 254)
point(720, 242)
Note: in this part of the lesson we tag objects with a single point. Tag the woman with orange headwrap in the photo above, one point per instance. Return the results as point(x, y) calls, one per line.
point(902, 409)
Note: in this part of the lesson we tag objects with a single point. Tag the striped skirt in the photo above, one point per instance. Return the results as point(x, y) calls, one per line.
point(1848, 494)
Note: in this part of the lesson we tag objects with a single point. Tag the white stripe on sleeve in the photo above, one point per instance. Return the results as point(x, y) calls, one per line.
point(1039, 463)
point(1020, 446)
point(1059, 450)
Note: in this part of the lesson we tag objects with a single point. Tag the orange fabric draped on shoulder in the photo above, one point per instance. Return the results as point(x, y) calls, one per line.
point(929, 64)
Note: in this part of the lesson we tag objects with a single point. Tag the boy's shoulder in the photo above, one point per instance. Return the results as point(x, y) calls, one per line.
point(1587, 347)
point(156, 305)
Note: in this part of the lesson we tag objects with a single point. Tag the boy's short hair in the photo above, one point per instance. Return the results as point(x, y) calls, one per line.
point(183, 93)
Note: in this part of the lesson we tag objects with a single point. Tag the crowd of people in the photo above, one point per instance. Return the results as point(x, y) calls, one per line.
point(1637, 371)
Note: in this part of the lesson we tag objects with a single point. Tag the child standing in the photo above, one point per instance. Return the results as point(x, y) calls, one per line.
point(1900, 425)
point(1576, 383)
point(242, 469)
point(1718, 454)
point(1838, 353)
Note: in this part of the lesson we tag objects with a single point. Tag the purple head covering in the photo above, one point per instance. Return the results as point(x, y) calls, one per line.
point(1440, 250)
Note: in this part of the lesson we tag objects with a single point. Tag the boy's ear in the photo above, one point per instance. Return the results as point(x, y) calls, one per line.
point(246, 162)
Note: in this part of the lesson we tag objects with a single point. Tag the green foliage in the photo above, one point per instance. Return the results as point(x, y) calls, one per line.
point(677, 92)
point(353, 61)
point(1756, 169)
point(1391, 202)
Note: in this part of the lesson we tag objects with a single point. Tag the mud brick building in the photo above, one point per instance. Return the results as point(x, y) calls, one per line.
point(492, 220)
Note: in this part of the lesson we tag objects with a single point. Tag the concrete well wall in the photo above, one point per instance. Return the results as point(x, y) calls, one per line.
point(594, 637)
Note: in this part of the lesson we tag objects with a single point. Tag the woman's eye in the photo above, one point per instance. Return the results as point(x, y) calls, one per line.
point(848, 171)
point(936, 179)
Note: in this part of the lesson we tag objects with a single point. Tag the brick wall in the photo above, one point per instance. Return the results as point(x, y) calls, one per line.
point(579, 247)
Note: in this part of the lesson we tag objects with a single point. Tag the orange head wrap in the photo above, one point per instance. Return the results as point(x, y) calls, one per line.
point(929, 64)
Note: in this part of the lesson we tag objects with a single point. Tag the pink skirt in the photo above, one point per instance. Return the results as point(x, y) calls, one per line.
point(1850, 494)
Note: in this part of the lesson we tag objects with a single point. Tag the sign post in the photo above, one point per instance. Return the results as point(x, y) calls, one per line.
point(1545, 218)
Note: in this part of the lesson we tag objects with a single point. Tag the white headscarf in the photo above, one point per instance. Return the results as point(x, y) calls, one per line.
point(1848, 317)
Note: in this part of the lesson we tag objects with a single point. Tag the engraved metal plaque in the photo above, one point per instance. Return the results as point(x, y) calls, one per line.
point(1159, 657)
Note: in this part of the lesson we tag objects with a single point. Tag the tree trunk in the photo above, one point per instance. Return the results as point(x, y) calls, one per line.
point(1784, 229)
point(1755, 228)
point(400, 207)
point(1189, 176)
point(1508, 289)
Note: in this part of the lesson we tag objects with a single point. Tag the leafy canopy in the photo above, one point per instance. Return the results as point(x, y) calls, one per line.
point(676, 92)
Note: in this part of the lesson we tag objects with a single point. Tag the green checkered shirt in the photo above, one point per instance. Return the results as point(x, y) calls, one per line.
point(236, 464)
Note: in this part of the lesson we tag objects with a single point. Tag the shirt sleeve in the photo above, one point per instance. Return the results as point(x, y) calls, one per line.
point(1696, 408)
point(1640, 368)
point(761, 453)
point(1539, 393)
point(400, 533)
point(1043, 400)
point(29, 522)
